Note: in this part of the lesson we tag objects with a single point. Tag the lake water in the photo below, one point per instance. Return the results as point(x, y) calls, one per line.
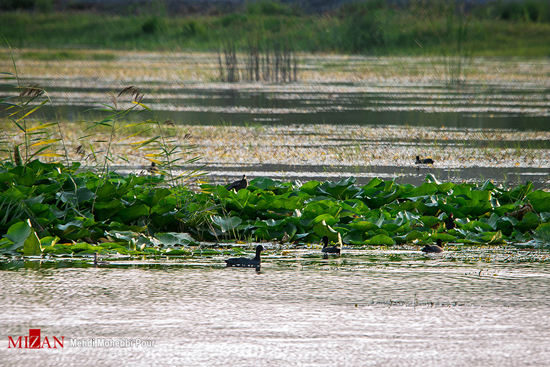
point(509, 96)
point(469, 307)
point(343, 312)
point(431, 111)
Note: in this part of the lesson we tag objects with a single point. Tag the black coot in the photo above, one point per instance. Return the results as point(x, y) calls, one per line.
point(438, 247)
point(329, 250)
point(450, 222)
point(239, 184)
point(244, 262)
point(424, 160)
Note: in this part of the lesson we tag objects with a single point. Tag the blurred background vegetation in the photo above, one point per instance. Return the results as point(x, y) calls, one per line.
point(375, 27)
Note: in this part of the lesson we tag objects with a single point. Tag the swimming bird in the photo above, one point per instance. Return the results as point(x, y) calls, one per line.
point(285, 239)
point(96, 262)
point(244, 262)
point(239, 184)
point(438, 247)
point(450, 222)
point(424, 160)
point(329, 250)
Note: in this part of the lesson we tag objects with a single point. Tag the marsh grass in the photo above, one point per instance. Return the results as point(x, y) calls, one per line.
point(264, 61)
point(40, 139)
point(102, 143)
point(454, 41)
point(58, 55)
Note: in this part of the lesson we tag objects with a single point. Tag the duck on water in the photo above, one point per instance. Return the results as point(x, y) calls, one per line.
point(244, 262)
point(437, 248)
point(333, 250)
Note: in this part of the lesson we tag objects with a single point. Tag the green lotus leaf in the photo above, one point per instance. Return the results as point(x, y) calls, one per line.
point(327, 218)
point(32, 245)
point(171, 239)
point(497, 238)
point(426, 189)
point(131, 213)
point(202, 252)
point(337, 189)
point(84, 247)
point(222, 192)
point(322, 229)
point(363, 225)
point(529, 221)
point(445, 237)
point(431, 178)
point(353, 237)
point(226, 223)
point(177, 252)
point(478, 226)
point(106, 191)
point(380, 239)
point(18, 233)
point(540, 200)
point(542, 233)
point(49, 241)
point(429, 221)
point(416, 235)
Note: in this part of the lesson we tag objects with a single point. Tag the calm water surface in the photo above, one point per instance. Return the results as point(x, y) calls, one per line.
point(432, 314)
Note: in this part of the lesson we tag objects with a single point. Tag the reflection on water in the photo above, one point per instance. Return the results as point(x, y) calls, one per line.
point(472, 106)
point(423, 313)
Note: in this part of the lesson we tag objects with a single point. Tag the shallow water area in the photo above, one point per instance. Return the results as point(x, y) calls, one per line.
point(346, 116)
point(470, 306)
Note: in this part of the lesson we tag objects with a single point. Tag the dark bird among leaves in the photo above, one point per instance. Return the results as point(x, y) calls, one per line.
point(239, 184)
point(450, 222)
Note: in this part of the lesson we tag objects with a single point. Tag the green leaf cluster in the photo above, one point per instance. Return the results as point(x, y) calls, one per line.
point(57, 209)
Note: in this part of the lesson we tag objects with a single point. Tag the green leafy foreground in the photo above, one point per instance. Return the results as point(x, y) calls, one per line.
point(56, 209)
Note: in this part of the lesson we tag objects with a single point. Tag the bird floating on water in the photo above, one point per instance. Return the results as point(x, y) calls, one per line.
point(438, 247)
point(285, 239)
point(96, 262)
point(239, 184)
point(333, 250)
point(424, 160)
point(244, 262)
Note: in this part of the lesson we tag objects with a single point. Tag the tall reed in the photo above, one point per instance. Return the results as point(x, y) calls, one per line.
point(455, 44)
point(264, 61)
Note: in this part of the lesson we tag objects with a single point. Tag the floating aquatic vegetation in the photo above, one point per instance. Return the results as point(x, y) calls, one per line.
point(53, 209)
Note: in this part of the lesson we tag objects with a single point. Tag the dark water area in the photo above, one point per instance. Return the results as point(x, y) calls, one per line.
point(403, 175)
point(396, 106)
